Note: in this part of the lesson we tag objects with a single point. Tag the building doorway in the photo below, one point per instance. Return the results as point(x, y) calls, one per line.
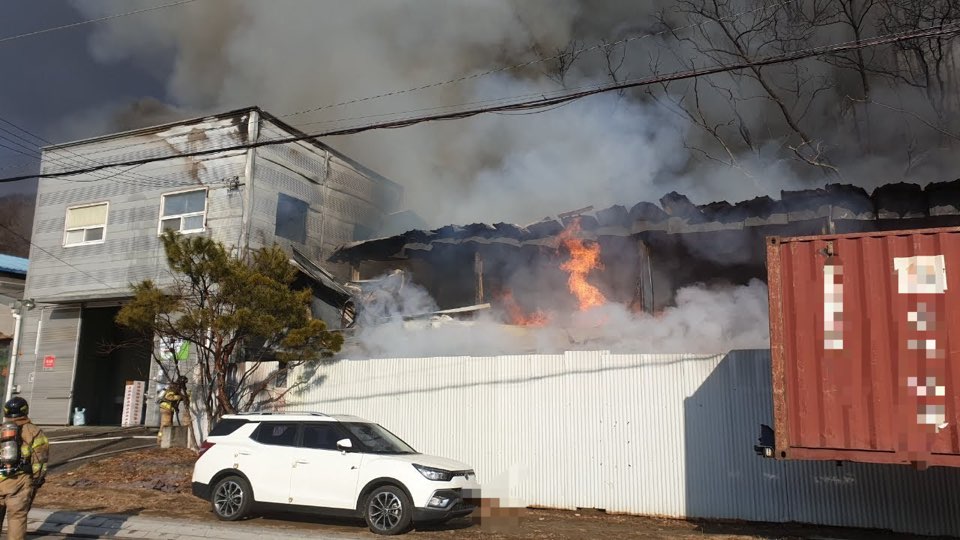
point(107, 357)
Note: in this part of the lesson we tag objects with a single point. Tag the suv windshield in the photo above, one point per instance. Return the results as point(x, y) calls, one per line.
point(377, 440)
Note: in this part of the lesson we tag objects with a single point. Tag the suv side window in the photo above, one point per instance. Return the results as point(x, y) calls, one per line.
point(276, 433)
point(227, 426)
point(322, 435)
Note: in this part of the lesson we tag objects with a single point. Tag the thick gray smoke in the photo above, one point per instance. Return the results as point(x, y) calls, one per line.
point(719, 138)
point(704, 320)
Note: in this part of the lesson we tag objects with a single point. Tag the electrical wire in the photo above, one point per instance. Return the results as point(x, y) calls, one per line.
point(91, 21)
point(459, 79)
point(521, 65)
point(542, 102)
point(21, 237)
point(137, 180)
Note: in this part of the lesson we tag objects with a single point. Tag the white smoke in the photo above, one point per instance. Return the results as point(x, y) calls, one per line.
point(704, 320)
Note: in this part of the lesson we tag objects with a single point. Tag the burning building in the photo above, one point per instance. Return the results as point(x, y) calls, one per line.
point(544, 273)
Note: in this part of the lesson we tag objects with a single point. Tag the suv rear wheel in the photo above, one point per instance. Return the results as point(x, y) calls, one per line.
point(388, 511)
point(231, 498)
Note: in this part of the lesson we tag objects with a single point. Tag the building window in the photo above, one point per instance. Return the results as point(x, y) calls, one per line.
point(184, 212)
point(85, 224)
point(292, 218)
point(281, 380)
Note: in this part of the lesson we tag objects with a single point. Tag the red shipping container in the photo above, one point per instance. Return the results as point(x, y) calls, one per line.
point(864, 335)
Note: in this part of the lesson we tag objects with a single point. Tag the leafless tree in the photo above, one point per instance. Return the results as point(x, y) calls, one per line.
point(724, 33)
point(929, 64)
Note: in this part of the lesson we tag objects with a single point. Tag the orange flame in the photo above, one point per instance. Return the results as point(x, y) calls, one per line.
point(516, 315)
point(584, 258)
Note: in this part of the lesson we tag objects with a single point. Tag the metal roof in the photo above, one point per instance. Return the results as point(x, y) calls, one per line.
point(891, 203)
point(13, 265)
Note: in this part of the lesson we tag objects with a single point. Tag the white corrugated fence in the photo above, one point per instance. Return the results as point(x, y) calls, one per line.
point(667, 435)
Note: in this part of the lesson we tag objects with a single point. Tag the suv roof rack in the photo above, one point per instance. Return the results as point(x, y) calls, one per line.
point(272, 413)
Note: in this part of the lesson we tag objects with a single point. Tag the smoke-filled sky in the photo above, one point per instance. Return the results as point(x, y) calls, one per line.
point(287, 55)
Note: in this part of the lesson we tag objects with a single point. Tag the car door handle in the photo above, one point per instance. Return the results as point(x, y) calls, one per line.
point(243, 453)
point(302, 462)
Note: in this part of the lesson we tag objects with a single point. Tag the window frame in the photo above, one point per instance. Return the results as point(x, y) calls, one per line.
point(303, 236)
point(161, 218)
point(106, 220)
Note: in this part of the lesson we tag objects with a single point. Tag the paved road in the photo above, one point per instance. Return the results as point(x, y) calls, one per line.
point(59, 524)
point(72, 446)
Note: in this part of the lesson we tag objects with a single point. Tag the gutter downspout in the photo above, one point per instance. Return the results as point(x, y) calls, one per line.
point(253, 134)
point(17, 312)
point(18, 319)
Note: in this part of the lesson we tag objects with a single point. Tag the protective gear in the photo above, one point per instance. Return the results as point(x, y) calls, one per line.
point(170, 404)
point(16, 497)
point(16, 407)
point(18, 489)
point(11, 462)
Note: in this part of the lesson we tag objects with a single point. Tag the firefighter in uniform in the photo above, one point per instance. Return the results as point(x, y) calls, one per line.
point(24, 450)
point(170, 403)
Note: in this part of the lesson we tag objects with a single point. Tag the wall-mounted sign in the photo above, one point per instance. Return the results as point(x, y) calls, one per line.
point(48, 362)
point(174, 349)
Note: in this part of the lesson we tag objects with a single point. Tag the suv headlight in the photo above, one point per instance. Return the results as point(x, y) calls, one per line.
point(438, 475)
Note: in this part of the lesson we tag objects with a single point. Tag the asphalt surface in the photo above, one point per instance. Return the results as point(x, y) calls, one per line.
point(70, 446)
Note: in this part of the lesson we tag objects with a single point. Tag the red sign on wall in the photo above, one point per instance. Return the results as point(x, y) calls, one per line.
point(49, 362)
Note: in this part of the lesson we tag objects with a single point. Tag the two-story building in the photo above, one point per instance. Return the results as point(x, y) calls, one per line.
point(96, 233)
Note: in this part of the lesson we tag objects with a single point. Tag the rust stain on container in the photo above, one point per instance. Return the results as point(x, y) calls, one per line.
point(865, 336)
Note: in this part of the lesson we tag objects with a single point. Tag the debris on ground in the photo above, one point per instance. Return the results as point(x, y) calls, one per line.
point(157, 482)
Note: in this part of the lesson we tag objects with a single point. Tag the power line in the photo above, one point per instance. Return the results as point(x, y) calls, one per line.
point(56, 160)
point(134, 179)
point(543, 101)
point(91, 21)
point(162, 142)
point(460, 79)
point(20, 236)
point(521, 65)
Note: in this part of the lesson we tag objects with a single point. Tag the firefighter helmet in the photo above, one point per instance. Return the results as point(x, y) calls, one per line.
point(16, 408)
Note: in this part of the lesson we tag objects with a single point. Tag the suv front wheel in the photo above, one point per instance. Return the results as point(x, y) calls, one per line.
point(388, 511)
point(231, 498)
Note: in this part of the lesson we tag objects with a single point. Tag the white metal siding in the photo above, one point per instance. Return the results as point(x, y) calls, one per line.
point(131, 251)
point(59, 333)
point(667, 435)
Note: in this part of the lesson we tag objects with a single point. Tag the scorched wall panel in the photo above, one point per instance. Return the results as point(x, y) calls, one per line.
point(863, 339)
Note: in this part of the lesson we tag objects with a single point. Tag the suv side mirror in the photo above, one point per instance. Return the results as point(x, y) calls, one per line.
point(344, 444)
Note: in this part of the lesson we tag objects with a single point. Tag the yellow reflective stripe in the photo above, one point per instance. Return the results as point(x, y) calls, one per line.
point(37, 467)
point(39, 441)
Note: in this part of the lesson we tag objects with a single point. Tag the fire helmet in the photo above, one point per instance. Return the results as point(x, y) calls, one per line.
point(16, 407)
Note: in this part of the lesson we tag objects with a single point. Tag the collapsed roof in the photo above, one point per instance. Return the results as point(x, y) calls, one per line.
point(677, 215)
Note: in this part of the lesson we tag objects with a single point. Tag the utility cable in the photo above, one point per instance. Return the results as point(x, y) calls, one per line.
point(91, 21)
point(134, 179)
point(521, 65)
point(460, 79)
point(544, 101)
point(20, 236)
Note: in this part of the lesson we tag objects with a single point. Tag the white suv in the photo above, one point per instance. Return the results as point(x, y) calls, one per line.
point(332, 464)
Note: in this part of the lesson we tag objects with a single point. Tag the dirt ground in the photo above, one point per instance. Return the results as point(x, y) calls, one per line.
point(156, 482)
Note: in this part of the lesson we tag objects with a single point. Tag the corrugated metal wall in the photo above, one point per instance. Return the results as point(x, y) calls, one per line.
point(59, 329)
point(342, 200)
point(862, 342)
point(669, 435)
point(131, 250)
